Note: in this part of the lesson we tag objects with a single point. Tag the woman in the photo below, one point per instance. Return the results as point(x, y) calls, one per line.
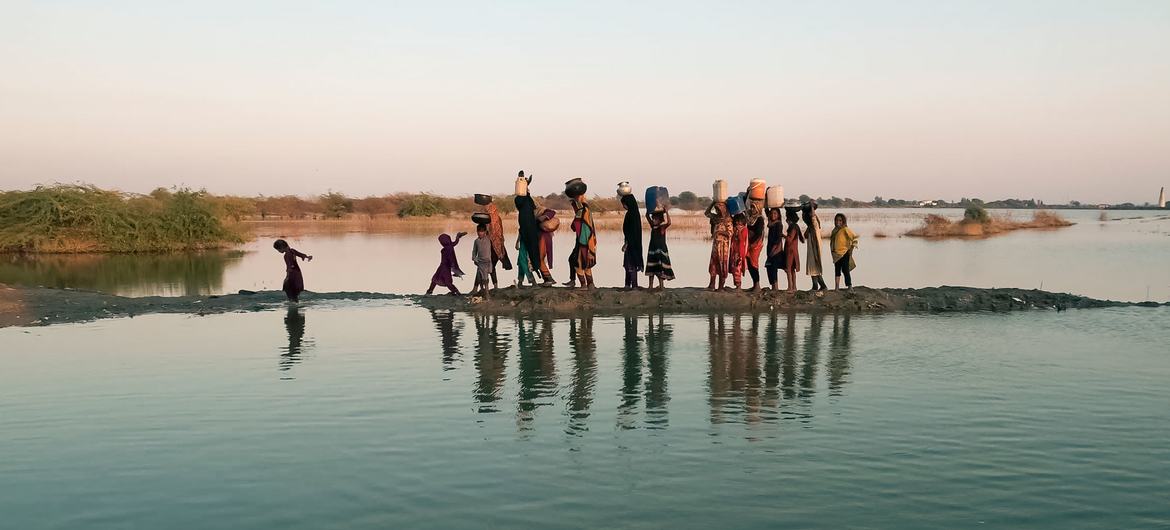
point(531, 235)
point(658, 255)
point(448, 265)
point(632, 247)
point(584, 255)
point(739, 250)
point(755, 226)
point(294, 282)
point(721, 228)
point(792, 241)
point(499, 249)
point(545, 259)
point(841, 245)
point(775, 254)
point(813, 237)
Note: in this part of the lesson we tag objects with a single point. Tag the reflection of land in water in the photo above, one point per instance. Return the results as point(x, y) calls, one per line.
point(761, 368)
point(167, 274)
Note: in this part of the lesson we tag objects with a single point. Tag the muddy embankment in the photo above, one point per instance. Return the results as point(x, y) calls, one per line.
point(41, 306)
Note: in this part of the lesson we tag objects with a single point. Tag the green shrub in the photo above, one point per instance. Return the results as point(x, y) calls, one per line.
point(423, 205)
point(976, 214)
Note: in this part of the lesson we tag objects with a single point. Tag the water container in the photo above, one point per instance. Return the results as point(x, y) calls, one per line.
point(719, 191)
point(775, 197)
point(735, 205)
point(521, 187)
point(483, 200)
point(552, 224)
point(481, 218)
point(624, 189)
point(657, 199)
point(575, 188)
point(756, 190)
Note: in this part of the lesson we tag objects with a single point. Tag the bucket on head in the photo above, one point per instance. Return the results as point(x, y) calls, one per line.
point(483, 200)
point(624, 189)
point(775, 198)
point(756, 189)
point(719, 190)
point(481, 218)
point(657, 199)
point(575, 188)
point(521, 186)
point(735, 205)
point(552, 224)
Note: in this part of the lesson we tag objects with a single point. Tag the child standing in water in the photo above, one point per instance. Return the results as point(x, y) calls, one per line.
point(841, 245)
point(481, 256)
point(658, 255)
point(739, 251)
point(448, 265)
point(294, 282)
point(792, 241)
point(721, 228)
point(813, 238)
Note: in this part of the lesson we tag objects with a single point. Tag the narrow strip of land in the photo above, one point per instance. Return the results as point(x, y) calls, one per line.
point(43, 306)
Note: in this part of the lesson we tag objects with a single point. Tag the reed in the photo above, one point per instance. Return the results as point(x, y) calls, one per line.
point(73, 218)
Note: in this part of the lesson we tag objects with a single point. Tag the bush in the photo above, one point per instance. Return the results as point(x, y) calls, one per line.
point(424, 205)
point(976, 214)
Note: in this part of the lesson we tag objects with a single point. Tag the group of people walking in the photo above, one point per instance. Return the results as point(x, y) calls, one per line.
point(738, 243)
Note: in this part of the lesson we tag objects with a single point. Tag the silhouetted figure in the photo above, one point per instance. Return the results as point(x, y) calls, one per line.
point(584, 373)
point(631, 374)
point(839, 350)
point(491, 356)
point(449, 330)
point(294, 282)
point(632, 260)
point(658, 339)
point(294, 324)
point(448, 265)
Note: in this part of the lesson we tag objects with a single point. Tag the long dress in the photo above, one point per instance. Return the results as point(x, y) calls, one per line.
point(294, 282)
point(813, 238)
point(496, 233)
point(775, 253)
point(632, 230)
point(585, 251)
point(755, 241)
point(720, 240)
point(529, 228)
point(739, 252)
point(792, 241)
point(658, 255)
point(448, 263)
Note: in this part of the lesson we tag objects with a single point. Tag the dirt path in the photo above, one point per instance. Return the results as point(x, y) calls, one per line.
point(40, 306)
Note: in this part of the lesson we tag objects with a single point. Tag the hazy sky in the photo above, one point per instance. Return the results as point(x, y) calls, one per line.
point(1055, 100)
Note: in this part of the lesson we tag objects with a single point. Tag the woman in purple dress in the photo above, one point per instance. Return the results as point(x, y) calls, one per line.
point(294, 282)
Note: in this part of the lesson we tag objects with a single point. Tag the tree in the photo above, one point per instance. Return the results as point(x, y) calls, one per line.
point(336, 205)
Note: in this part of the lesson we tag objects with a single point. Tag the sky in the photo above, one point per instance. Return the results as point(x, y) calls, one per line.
point(1053, 100)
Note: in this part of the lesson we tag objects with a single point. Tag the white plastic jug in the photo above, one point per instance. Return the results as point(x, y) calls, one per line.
point(775, 197)
point(719, 191)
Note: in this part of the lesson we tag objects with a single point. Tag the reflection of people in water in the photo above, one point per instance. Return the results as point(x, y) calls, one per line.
point(491, 355)
point(812, 349)
point(584, 373)
point(658, 338)
point(294, 324)
point(449, 331)
point(839, 346)
point(735, 369)
point(537, 370)
point(631, 374)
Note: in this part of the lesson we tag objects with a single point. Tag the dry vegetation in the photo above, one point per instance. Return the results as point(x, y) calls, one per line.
point(977, 223)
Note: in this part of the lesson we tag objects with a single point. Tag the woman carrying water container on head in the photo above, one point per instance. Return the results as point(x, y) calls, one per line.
point(755, 226)
point(584, 255)
point(721, 229)
point(632, 231)
point(658, 255)
point(813, 237)
point(531, 233)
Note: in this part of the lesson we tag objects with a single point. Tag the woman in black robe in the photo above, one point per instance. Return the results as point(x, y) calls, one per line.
point(530, 233)
point(632, 248)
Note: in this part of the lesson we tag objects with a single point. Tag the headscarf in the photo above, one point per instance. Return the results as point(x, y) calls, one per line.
point(448, 258)
point(632, 227)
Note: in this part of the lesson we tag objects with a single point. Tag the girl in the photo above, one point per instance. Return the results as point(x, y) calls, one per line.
point(658, 256)
point(496, 235)
point(739, 251)
point(792, 240)
point(841, 245)
point(813, 236)
point(755, 226)
point(775, 254)
point(448, 265)
point(584, 255)
point(721, 228)
point(294, 283)
point(632, 247)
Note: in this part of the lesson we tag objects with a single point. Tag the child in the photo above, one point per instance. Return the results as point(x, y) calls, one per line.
point(632, 246)
point(294, 283)
point(792, 240)
point(481, 256)
point(739, 251)
point(775, 253)
point(658, 255)
point(755, 226)
point(448, 265)
point(523, 265)
point(721, 228)
point(841, 245)
point(813, 238)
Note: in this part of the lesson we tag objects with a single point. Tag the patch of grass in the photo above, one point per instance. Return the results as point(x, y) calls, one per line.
point(69, 218)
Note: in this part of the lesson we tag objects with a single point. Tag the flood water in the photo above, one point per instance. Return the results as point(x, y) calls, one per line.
point(391, 416)
point(1122, 258)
